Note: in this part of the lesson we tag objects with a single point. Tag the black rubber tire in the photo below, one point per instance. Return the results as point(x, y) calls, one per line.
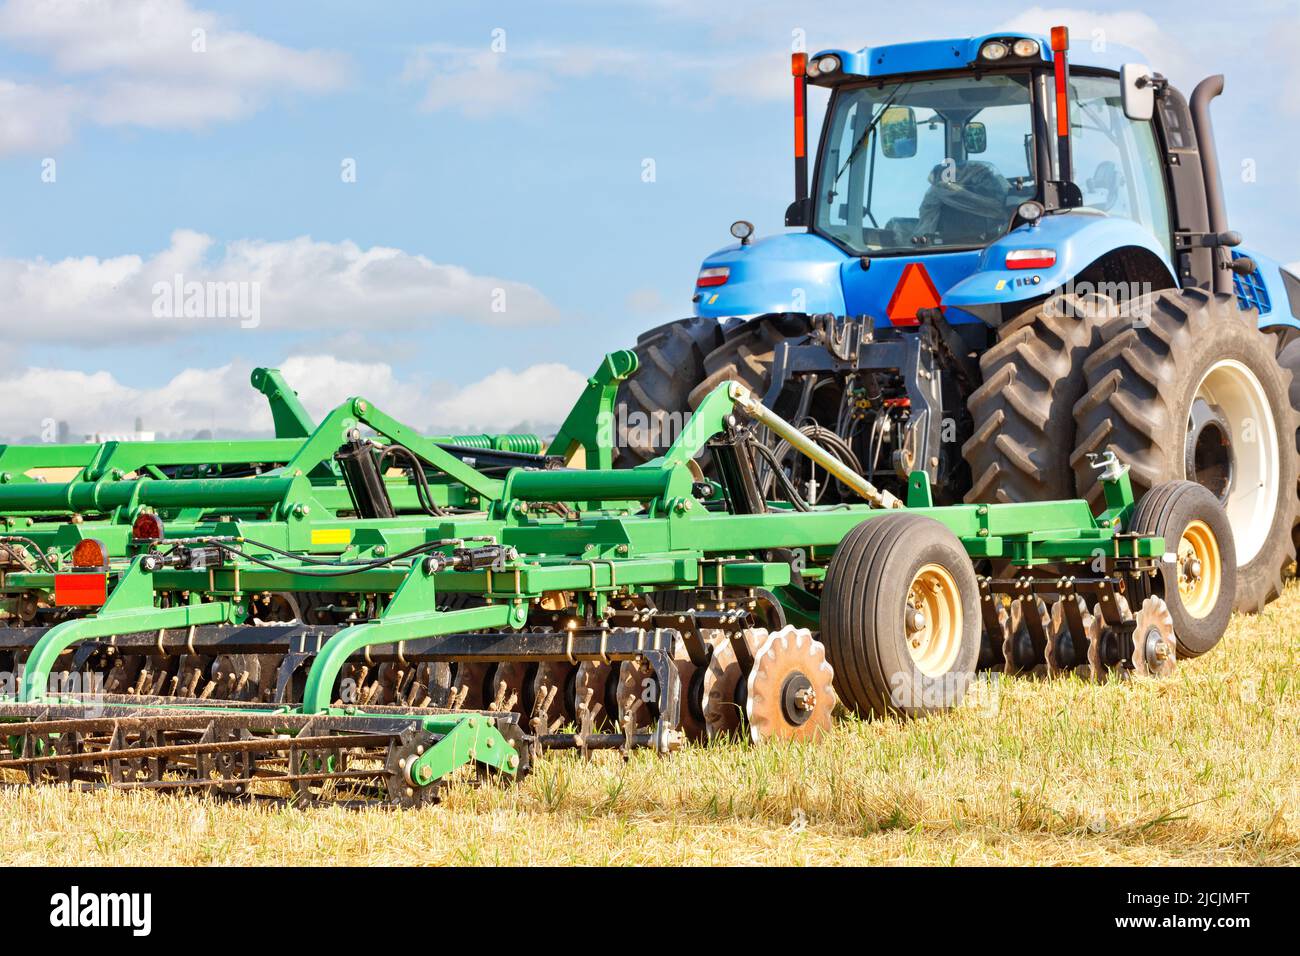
point(862, 616)
point(1167, 510)
point(744, 357)
point(1141, 386)
point(1288, 356)
point(671, 364)
point(1023, 413)
point(674, 602)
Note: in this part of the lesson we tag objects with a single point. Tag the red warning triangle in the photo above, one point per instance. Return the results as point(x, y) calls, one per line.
point(915, 291)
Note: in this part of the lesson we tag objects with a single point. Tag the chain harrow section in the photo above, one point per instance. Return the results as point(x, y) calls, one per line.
point(610, 689)
point(247, 752)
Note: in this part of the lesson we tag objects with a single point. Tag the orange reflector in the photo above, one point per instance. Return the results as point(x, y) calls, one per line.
point(90, 553)
point(798, 64)
point(800, 120)
point(1060, 44)
point(915, 291)
point(80, 590)
point(148, 527)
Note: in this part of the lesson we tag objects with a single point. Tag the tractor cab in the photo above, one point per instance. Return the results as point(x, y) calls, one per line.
point(979, 175)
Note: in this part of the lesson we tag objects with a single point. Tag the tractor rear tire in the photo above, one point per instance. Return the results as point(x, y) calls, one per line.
point(1194, 390)
point(1288, 356)
point(885, 571)
point(671, 363)
point(1023, 413)
point(745, 357)
point(1195, 528)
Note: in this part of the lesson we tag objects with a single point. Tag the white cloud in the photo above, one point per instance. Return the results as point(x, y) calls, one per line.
point(540, 393)
point(762, 76)
point(300, 284)
point(33, 118)
point(221, 398)
point(150, 63)
point(1128, 28)
point(478, 84)
point(96, 402)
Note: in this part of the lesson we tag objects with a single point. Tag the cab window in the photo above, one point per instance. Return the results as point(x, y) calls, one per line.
point(1117, 162)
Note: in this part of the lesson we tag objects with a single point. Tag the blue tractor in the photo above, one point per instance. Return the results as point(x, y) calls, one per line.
point(1005, 266)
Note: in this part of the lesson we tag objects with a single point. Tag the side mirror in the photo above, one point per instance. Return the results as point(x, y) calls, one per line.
point(977, 137)
point(898, 132)
point(1139, 92)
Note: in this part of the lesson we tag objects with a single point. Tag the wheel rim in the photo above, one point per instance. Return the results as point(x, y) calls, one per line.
point(1199, 569)
point(933, 620)
point(1232, 450)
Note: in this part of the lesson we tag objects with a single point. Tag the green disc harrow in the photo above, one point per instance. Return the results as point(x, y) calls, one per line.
point(353, 610)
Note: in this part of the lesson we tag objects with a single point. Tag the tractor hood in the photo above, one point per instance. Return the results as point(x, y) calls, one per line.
point(791, 272)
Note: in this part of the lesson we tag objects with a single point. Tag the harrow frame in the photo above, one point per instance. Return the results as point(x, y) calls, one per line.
point(482, 550)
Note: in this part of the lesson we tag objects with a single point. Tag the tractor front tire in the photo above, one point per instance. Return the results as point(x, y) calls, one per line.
point(1199, 585)
point(900, 617)
point(1023, 413)
point(1190, 388)
point(670, 364)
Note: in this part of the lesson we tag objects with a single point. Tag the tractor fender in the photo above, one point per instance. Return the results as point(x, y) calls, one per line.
point(1078, 239)
point(791, 272)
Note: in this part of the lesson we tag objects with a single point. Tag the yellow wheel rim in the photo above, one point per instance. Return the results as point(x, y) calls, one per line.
point(1200, 569)
point(933, 620)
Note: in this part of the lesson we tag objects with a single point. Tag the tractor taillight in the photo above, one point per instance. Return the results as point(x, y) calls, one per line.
point(709, 277)
point(1031, 258)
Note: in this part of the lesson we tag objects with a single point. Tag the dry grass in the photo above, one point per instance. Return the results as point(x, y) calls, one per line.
point(1201, 769)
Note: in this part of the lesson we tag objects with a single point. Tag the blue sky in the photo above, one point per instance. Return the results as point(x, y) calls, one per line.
point(497, 146)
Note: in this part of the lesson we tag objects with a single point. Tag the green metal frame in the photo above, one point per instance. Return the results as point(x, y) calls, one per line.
point(617, 532)
point(595, 532)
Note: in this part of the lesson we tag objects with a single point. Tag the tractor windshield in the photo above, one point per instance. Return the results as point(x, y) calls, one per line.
point(922, 164)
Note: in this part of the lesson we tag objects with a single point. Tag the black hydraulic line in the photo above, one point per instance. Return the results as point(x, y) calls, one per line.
point(782, 478)
point(417, 472)
point(35, 548)
point(341, 570)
